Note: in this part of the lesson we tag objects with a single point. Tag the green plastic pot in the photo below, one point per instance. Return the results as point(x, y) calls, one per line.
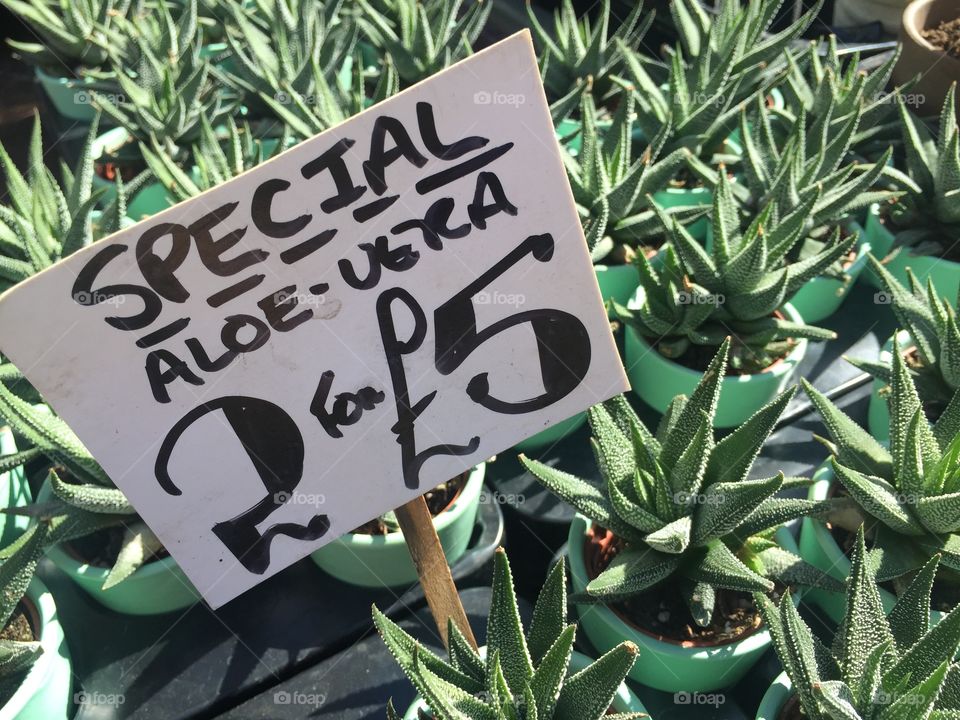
point(384, 561)
point(818, 548)
point(775, 698)
point(625, 700)
point(15, 490)
point(663, 665)
point(152, 198)
point(944, 273)
point(617, 282)
point(553, 434)
point(44, 693)
point(70, 97)
point(821, 297)
point(657, 380)
point(878, 412)
point(155, 588)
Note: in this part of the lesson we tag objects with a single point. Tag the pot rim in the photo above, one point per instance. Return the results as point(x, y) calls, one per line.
point(912, 29)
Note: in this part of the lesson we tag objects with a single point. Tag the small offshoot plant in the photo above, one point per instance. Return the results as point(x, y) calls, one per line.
point(682, 504)
point(524, 675)
point(879, 666)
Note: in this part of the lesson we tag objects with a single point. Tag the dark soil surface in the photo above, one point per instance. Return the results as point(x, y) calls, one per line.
point(945, 36)
point(438, 500)
point(662, 612)
point(20, 628)
point(791, 710)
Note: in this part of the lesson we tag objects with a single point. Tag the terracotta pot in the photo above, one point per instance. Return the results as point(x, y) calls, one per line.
point(937, 69)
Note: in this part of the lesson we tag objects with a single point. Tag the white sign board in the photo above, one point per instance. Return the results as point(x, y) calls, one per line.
point(271, 364)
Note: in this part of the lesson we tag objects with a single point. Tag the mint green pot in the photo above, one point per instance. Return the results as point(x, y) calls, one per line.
point(821, 297)
point(657, 380)
point(944, 273)
point(15, 493)
point(818, 548)
point(155, 588)
point(775, 698)
point(625, 700)
point(70, 97)
point(553, 434)
point(666, 666)
point(617, 282)
point(384, 560)
point(878, 412)
point(44, 693)
point(151, 199)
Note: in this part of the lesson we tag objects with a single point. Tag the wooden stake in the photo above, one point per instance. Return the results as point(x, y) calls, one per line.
point(416, 523)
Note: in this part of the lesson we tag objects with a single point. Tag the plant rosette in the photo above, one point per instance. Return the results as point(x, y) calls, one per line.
point(625, 701)
point(657, 379)
point(70, 97)
point(670, 666)
point(152, 198)
point(157, 587)
point(384, 560)
point(944, 273)
point(44, 692)
point(819, 548)
point(775, 698)
point(16, 492)
point(775, 101)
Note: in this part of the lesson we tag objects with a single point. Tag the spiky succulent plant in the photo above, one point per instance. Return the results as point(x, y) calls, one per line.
point(16, 571)
point(927, 219)
point(280, 50)
point(524, 675)
point(46, 220)
point(931, 321)
point(164, 96)
point(909, 495)
point(719, 64)
point(682, 502)
point(579, 49)
point(879, 667)
point(70, 35)
point(612, 187)
point(821, 80)
point(700, 297)
point(84, 500)
point(218, 157)
point(422, 38)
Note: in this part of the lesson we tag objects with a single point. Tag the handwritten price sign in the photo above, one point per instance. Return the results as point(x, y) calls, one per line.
point(367, 315)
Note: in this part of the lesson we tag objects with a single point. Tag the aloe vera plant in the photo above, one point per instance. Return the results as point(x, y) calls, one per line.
point(931, 321)
point(217, 158)
point(579, 49)
point(46, 220)
point(280, 50)
point(613, 188)
point(682, 504)
point(71, 34)
point(701, 297)
point(927, 219)
point(524, 674)
point(719, 64)
point(909, 495)
point(820, 80)
point(16, 571)
point(422, 38)
point(84, 498)
point(878, 667)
